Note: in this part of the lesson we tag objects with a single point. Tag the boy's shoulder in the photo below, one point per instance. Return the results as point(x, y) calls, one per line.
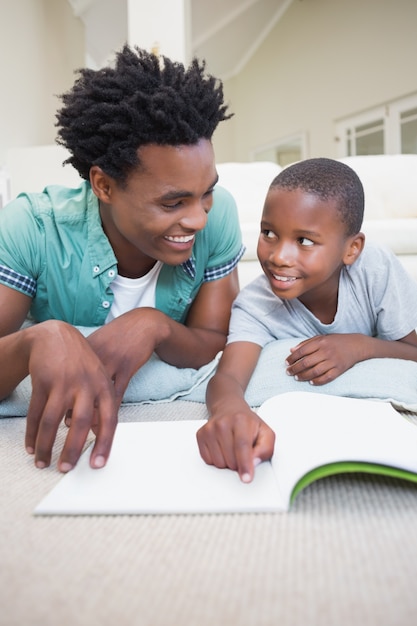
point(373, 254)
point(377, 266)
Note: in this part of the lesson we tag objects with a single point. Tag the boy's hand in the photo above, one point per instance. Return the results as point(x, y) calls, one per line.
point(67, 376)
point(238, 440)
point(321, 359)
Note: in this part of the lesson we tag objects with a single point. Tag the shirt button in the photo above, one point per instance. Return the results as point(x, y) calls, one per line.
point(105, 304)
point(96, 269)
point(112, 273)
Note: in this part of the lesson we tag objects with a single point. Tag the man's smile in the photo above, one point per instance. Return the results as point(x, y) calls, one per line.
point(180, 238)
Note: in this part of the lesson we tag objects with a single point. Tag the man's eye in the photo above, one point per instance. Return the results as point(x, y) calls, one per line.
point(176, 205)
point(268, 234)
point(306, 242)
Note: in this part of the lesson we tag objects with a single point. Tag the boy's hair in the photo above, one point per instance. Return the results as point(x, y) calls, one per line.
point(328, 179)
point(111, 112)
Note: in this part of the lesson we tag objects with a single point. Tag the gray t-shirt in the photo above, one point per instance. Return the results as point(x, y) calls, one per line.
point(377, 297)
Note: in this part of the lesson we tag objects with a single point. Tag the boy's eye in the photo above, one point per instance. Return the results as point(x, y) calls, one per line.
point(306, 242)
point(268, 233)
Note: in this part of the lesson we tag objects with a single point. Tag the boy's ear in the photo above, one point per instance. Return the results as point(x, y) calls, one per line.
point(101, 184)
point(354, 247)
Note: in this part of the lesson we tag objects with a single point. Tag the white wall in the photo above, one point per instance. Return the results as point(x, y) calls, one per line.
point(41, 45)
point(325, 59)
point(168, 34)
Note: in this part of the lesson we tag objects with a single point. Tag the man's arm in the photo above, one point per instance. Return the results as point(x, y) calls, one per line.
point(126, 343)
point(66, 375)
point(234, 436)
point(323, 358)
point(14, 307)
point(207, 325)
point(72, 373)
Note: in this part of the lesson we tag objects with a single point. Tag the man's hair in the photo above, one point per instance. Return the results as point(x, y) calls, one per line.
point(329, 180)
point(111, 112)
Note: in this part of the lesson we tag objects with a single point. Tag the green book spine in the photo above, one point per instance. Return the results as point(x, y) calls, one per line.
point(344, 467)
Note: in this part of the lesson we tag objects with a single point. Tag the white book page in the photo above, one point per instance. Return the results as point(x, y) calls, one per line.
point(156, 467)
point(314, 429)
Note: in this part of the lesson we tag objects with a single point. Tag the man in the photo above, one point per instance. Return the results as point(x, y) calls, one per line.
point(145, 248)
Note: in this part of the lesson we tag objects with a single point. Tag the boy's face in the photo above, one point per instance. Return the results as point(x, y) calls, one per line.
point(302, 244)
point(164, 204)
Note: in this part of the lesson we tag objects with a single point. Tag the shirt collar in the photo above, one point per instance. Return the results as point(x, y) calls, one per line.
point(189, 267)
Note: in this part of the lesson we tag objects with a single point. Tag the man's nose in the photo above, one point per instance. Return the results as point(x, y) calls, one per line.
point(195, 216)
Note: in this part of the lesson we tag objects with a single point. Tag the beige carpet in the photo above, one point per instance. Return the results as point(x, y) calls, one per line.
point(345, 554)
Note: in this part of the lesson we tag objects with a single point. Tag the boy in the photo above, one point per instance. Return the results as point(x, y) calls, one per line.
point(145, 248)
point(320, 281)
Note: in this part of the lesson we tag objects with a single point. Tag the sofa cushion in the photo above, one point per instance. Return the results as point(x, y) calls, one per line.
point(398, 234)
point(249, 184)
point(390, 380)
point(390, 184)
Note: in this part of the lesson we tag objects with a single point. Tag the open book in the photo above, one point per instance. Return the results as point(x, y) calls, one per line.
point(155, 467)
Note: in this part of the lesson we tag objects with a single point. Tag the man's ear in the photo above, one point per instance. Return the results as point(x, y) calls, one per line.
point(101, 184)
point(354, 247)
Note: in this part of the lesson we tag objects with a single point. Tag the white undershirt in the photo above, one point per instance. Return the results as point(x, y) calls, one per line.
point(131, 293)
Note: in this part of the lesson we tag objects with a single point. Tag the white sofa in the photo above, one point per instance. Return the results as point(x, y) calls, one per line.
point(390, 184)
point(248, 183)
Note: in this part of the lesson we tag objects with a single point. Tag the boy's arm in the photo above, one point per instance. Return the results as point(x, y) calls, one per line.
point(323, 358)
point(234, 436)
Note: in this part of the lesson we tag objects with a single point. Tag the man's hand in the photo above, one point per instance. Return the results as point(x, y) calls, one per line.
point(67, 376)
point(324, 357)
point(238, 440)
point(127, 343)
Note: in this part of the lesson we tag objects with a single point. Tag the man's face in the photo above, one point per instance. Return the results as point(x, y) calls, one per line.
point(165, 202)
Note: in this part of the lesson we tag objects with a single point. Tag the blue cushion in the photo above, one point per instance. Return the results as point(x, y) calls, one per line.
point(391, 380)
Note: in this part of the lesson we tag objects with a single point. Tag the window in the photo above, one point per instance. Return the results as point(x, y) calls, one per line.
point(388, 129)
point(408, 125)
point(366, 138)
point(283, 151)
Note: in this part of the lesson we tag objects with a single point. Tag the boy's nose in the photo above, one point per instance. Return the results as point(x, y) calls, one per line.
point(283, 254)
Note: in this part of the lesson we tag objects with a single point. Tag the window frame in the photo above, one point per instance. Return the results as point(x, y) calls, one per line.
point(389, 113)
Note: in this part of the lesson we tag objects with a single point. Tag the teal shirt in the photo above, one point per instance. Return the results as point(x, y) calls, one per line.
point(53, 248)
